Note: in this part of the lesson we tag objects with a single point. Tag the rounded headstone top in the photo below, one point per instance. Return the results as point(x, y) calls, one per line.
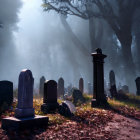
point(26, 72)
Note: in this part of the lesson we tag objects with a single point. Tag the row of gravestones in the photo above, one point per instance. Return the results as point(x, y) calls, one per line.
point(60, 86)
point(24, 112)
point(124, 88)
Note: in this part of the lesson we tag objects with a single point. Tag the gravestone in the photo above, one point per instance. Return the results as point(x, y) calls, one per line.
point(99, 97)
point(24, 113)
point(81, 85)
point(50, 97)
point(125, 89)
point(138, 85)
point(112, 80)
point(41, 86)
point(77, 96)
point(6, 92)
point(67, 109)
point(60, 88)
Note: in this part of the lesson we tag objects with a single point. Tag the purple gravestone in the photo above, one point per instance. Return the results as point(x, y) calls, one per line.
point(99, 97)
point(25, 95)
point(60, 87)
point(138, 85)
point(113, 89)
point(24, 113)
point(41, 86)
point(50, 97)
point(81, 85)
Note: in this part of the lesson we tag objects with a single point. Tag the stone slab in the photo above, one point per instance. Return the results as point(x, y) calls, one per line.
point(24, 123)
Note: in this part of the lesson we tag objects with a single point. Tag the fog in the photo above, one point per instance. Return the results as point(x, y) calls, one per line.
point(37, 40)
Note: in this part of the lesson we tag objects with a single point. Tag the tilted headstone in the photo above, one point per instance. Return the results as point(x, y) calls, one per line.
point(77, 96)
point(67, 109)
point(81, 85)
point(41, 86)
point(113, 89)
point(125, 89)
point(99, 97)
point(138, 85)
point(24, 113)
point(60, 88)
point(50, 96)
point(6, 92)
point(25, 95)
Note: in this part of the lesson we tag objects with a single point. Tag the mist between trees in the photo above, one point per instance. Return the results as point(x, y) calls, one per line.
point(58, 42)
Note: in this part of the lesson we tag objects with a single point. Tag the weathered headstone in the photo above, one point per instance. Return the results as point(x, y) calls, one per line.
point(77, 96)
point(98, 61)
point(60, 88)
point(81, 85)
point(138, 85)
point(67, 109)
point(112, 80)
point(50, 97)
point(24, 113)
point(125, 89)
point(41, 86)
point(25, 95)
point(6, 92)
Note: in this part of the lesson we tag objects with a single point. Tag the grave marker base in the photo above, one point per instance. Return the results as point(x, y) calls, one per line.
point(12, 123)
point(49, 107)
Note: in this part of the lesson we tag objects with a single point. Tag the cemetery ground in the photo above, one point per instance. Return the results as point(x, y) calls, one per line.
point(120, 121)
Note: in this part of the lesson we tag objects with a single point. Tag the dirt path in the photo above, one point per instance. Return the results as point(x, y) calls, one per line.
point(124, 128)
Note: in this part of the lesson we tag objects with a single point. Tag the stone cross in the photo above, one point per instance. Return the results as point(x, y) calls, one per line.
point(98, 61)
point(50, 96)
point(81, 85)
point(138, 85)
point(41, 86)
point(25, 95)
point(60, 88)
point(112, 80)
point(6, 92)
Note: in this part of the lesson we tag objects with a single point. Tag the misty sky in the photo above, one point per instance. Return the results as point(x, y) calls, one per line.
point(41, 44)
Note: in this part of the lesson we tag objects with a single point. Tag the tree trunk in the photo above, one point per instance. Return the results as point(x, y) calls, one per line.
point(129, 66)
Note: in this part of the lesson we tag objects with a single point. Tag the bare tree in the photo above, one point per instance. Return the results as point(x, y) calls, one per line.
point(117, 13)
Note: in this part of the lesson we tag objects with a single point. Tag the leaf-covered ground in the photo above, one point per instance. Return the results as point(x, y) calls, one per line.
point(121, 122)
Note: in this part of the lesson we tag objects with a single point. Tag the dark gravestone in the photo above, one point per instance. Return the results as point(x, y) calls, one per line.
point(6, 92)
point(113, 89)
point(81, 85)
point(50, 97)
point(41, 86)
point(99, 97)
point(138, 85)
point(24, 113)
point(125, 89)
point(77, 96)
point(60, 88)
point(67, 109)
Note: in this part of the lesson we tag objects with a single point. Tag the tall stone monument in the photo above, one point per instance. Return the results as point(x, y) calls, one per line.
point(50, 97)
point(81, 85)
point(112, 80)
point(24, 113)
point(60, 87)
point(138, 85)
point(25, 95)
point(41, 86)
point(98, 74)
